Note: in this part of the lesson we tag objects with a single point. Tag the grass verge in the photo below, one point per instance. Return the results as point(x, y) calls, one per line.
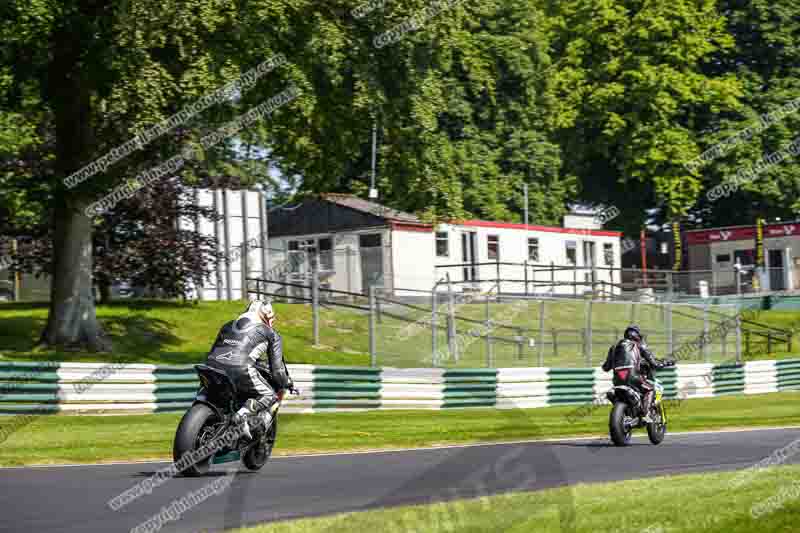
point(176, 333)
point(685, 503)
point(173, 332)
point(85, 438)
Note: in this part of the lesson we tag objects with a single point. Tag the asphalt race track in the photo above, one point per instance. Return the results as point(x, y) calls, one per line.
point(74, 498)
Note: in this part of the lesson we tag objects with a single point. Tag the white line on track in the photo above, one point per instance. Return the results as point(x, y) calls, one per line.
point(423, 448)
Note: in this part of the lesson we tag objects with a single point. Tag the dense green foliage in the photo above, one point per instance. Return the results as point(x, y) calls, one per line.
point(587, 101)
point(581, 100)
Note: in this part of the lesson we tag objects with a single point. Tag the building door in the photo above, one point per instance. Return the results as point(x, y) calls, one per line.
point(589, 254)
point(371, 252)
point(776, 274)
point(469, 248)
point(590, 261)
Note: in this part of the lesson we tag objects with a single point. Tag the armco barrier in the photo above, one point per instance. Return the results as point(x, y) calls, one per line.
point(97, 387)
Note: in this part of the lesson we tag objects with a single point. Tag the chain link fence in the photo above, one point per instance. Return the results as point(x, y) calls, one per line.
point(453, 327)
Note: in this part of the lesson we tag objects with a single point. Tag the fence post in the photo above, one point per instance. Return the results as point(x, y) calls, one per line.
point(575, 279)
point(769, 342)
point(348, 260)
point(738, 282)
point(541, 333)
point(706, 351)
point(554, 334)
point(738, 339)
point(588, 333)
point(373, 357)
point(670, 285)
point(451, 321)
point(526, 277)
point(434, 328)
point(378, 314)
point(552, 277)
point(498, 272)
point(489, 354)
point(315, 302)
point(724, 344)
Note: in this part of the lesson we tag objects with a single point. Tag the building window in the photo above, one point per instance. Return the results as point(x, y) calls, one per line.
point(533, 249)
point(371, 240)
point(326, 253)
point(724, 258)
point(744, 257)
point(493, 247)
point(572, 252)
point(442, 244)
point(608, 254)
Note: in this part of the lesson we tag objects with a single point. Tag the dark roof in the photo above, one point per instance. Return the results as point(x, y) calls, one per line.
point(329, 213)
point(372, 208)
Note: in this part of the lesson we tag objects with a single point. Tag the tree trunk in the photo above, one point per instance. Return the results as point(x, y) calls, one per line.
point(72, 320)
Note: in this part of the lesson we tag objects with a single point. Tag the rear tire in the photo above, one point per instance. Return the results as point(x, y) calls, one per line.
point(616, 427)
point(190, 432)
point(258, 455)
point(657, 430)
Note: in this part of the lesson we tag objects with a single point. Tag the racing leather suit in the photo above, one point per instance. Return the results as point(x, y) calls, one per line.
point(240, 345)
point(625, 359)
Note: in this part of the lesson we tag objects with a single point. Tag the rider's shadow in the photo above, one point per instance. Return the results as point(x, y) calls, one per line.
point(596, 445)
point(210, 473)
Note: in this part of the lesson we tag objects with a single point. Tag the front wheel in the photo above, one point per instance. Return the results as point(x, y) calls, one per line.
point(658, 429)
point(619, 424)
point(258, 455)
point(195, 430)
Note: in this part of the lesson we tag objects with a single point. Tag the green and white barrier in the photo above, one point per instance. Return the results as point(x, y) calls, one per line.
point(97, 387)
point(788, 374)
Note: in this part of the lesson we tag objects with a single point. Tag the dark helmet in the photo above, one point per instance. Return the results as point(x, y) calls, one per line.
point(633, 333)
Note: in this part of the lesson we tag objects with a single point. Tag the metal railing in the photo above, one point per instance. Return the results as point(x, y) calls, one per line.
point(449, 327)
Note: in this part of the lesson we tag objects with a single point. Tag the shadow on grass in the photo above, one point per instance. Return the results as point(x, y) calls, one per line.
point(137, 335)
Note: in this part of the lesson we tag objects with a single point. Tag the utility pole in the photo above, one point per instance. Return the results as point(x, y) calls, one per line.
point(373, 192)
point(643, 248)
point(527, 241)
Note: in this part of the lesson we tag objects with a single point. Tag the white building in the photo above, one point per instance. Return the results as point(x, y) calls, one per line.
point(354, 242)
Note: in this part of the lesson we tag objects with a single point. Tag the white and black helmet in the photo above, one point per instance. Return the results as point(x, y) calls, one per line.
point(263, 310)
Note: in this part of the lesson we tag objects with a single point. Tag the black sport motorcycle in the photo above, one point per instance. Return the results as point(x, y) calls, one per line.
point(628, 408)
point(208, 434)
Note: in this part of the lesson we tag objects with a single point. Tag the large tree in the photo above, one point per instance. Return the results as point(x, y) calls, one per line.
point(460, 105)
point(766, 59)
point(91, 74)
point(630, 82)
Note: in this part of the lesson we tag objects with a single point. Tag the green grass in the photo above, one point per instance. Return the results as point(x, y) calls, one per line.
point(85, 438)
point(669, 504)
point(171, 332)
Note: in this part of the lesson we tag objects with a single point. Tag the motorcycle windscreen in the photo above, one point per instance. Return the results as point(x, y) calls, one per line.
point(623, 373)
